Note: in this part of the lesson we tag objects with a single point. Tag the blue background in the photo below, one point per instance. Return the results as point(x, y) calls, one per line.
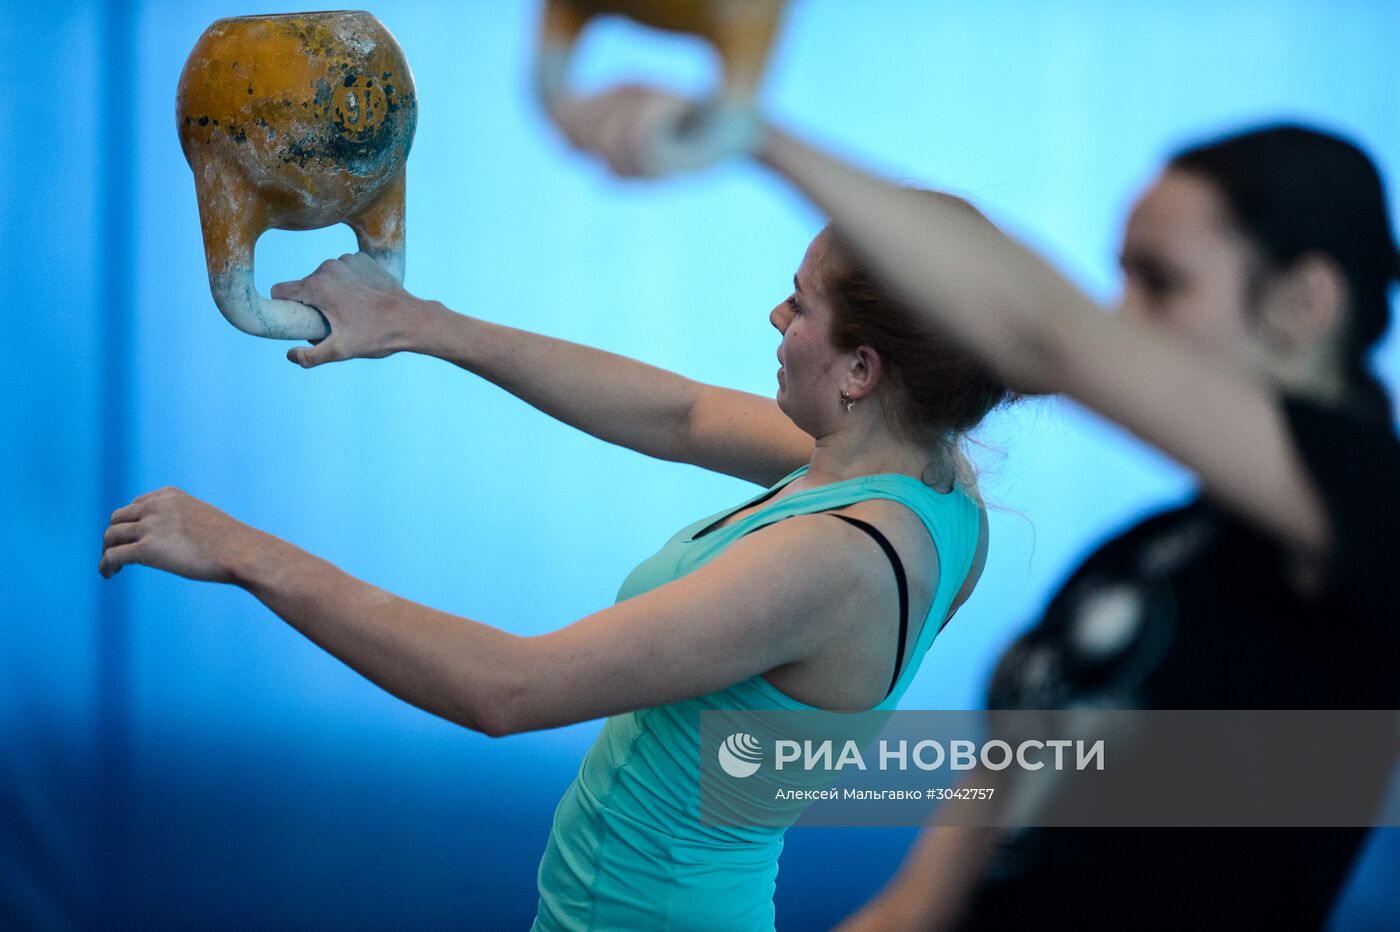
point(172, 754)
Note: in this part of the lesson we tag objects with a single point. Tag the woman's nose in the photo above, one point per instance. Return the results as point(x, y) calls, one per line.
point(779, 317)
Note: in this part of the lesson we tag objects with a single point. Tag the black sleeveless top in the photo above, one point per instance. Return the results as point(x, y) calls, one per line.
point(1194, 609)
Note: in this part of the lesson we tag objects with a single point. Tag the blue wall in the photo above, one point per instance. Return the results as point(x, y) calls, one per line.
point(170, 753)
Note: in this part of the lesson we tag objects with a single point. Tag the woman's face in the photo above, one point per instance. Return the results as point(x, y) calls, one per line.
point(813, 371)
point(1188, 269)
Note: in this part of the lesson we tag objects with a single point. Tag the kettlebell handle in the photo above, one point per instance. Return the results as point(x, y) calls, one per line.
point(741, 31)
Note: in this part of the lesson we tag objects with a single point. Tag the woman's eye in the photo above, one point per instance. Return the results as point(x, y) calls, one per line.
point(1156, 282)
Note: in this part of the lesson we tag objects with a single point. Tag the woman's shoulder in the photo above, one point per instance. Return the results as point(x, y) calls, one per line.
point(905, 531)
point(952, 521)
point(895, 518)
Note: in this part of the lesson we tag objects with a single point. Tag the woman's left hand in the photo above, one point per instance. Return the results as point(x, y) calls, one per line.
point(171, 530)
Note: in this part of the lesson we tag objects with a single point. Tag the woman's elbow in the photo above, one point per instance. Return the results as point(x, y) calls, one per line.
point(497, 703)
point(494, 725)
point(1039, 346)
point(1035, 364)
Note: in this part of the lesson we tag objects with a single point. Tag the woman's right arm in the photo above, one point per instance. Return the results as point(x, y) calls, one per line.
point(614, 398)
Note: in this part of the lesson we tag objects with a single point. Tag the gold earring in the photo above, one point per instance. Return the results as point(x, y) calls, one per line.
point(848, 401)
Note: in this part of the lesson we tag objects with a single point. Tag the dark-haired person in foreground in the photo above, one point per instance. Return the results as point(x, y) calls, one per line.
point(1256, 277)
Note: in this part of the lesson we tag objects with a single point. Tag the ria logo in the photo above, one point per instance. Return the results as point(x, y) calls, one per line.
point(740, 755)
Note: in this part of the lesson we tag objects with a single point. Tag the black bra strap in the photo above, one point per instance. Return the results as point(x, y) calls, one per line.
point(758, 501)
point(900, 581)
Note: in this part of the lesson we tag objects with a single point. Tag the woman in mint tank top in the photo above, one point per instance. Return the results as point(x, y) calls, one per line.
point(823, 592)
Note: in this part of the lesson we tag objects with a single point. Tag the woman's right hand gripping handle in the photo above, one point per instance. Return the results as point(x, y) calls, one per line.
point(370, 314)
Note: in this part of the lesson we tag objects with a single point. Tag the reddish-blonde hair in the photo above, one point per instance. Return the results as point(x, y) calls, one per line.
point(935, 389)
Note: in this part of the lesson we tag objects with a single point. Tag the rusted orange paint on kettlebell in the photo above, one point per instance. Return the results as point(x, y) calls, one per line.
point(294, 121)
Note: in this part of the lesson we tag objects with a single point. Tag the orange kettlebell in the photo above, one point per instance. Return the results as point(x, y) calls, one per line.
point(294, 121)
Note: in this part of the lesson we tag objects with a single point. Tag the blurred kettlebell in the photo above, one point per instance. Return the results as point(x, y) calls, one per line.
point(741, 31)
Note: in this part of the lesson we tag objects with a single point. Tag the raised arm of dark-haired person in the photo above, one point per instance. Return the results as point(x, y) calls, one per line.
point(1035, 328)
point(611, 397)
point(1027, 321)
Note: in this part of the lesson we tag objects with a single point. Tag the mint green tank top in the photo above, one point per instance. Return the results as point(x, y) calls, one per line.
point(627, 849)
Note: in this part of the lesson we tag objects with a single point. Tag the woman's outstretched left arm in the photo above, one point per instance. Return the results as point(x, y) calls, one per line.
point(769, 599)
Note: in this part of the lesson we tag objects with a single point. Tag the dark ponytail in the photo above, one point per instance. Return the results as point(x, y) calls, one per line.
point(1295, 191)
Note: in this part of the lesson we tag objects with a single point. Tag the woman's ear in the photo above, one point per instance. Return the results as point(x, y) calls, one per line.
point(1305, 306)
point(865, 372)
